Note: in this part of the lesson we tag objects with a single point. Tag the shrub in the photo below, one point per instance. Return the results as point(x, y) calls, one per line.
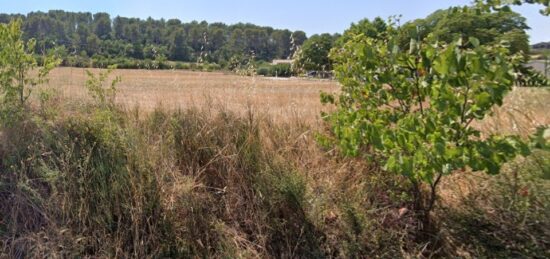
point(17, 61)
point(411, 110)
point(212, 67)
point(264, 71)
point(185, 66)
point(279, 70)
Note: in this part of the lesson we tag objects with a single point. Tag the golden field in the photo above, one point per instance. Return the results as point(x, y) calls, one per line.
point(282, 99)
point(210, 181)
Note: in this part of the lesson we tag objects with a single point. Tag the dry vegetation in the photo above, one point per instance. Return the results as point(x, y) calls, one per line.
point(281, 98)
point(237, 173)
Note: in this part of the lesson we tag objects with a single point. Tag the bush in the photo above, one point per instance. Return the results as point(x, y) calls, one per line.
point(17, 61)
point(77, 61)
point(212, 67)
point(180, 65)
point(264, 71)
point(282, 70)
point(279, 70)
point(190, 194)
point(99, 61)
point(411, 109)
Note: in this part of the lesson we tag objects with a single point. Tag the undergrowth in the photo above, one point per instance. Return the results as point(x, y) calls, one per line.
point(100, 182)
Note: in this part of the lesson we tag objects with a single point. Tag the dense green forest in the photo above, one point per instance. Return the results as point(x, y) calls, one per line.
point(88, 35)
point(84, 39)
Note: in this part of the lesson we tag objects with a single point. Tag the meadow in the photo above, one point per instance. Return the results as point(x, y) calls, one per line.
point(196, 164)
point(427, 144)
point(280, 98)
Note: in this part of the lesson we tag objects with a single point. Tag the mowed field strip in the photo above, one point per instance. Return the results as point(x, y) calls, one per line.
point(280, 98)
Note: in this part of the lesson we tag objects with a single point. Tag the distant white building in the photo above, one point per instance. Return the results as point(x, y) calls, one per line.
point(282, 61)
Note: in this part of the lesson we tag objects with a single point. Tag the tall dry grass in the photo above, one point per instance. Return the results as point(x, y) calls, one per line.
point(82, 180)
point(279, 98)
point(192, 183)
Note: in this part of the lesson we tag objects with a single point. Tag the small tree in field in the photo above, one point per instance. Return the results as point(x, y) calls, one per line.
point(16, 62)
point(411, 109)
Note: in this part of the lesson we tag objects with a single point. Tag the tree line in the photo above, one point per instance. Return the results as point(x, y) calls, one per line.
point(86, 39)
point(445, 25)
point(83, 34)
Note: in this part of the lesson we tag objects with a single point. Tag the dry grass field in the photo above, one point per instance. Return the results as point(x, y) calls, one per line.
point(90, 181)
point(280, 98)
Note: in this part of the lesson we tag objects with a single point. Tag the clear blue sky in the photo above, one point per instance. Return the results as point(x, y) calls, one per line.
point(311, 16)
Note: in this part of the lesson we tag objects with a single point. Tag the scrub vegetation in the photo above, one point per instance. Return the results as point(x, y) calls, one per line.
point(428, 150)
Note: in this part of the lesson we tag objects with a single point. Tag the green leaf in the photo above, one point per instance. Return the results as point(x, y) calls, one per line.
point(475, 42)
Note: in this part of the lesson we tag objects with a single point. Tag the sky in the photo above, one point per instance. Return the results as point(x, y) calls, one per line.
point(311, 16)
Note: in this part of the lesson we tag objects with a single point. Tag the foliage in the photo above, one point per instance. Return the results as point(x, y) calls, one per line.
point(279, 70)
point(499, 4)
point(374, 29)
point(313, 55)
point(541, 140)
point(178, 49)
point(96, 181)
point(412, 109)
point(528, 76)
point(445, 25)
point(132, 38)
point(103, 96)
point(16, 63)
point(506, 215)
point(464, 22)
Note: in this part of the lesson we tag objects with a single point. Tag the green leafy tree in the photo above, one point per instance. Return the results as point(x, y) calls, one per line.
point(499, 4)
point(298, 38)
point(282, 40)
point(411, 109)
point(464, 22)
point(216, 39)
point(178, 48)
point(82, 34)
point(17, 61)
point(102, 25)
point(118, 27)
point(256, 42)
point(104, 96)
point(127, 37)
point(132, 33)
point(237, 42)
point(314, 54)
point(372, 29)
point(92, 45)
